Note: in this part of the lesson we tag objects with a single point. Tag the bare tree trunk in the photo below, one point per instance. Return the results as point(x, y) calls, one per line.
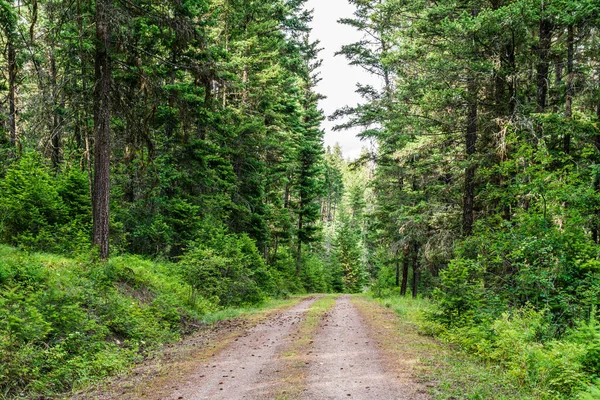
point(470, 146)
point(512, 87)
point(101, 194)
point(84, 125)
point(286, 196)
point(299, 256)
point(397, 269)
point(596, 227)
point(57, 118)
point(543, 65)
point(169, 124)
point(416, 272)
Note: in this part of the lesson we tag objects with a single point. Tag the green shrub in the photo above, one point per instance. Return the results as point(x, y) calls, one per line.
point(592, 392)
point(555, 369)
point(283, 270)
point(588, 334)
point(65, 323)
point(30, 205)
point(313, 275)
point(228, 270)
point(39, 211)
point(460, 298)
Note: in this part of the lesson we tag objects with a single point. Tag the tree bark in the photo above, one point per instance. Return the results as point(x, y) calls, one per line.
point(12, 87)
point(416, 272)
point(299, 258)
point(57, 118)
point(397, 270)
point(470, 142)
point(101, 193)
point(596, 227)
point(405, 265)
point(543, 64)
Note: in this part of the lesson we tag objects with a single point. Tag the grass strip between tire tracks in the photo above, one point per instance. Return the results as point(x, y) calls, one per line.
point(294, 371)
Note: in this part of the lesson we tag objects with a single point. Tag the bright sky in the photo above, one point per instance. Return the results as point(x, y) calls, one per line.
point(338, 78)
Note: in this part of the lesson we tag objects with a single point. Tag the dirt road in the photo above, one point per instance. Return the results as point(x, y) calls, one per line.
point(346, 361)
point(237, 372)
point(316, 349)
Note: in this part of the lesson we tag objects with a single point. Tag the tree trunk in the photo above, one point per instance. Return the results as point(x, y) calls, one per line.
point(405, 265)
point(397, 270)
point(57, 118)
point(84, 124)
point(299, 258)
point(416, 272)
point(299, 248)
point(596, 228)
point(101, 193)
point(170, 123)
point(286, 195)
point(569, 97)
point(512, 87)
point(543, 65)
point(12, 87)
point(470, 142)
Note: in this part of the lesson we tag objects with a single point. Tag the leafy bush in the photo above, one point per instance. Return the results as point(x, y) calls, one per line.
point(30, 205)
point(313, 275)
point(555, 369)
point(516, 294)
point(227, 269)
point(588, 334)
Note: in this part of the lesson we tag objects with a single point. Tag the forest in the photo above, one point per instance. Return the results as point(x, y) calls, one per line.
point(162, 161)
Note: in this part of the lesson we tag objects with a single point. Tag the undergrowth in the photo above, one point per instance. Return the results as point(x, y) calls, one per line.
point(455, 374)
point(510, 357)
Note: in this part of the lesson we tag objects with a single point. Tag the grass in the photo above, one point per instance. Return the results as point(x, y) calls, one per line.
point(446, 372)
point(231, 313)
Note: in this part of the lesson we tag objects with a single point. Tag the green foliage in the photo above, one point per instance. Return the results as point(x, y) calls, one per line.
point(592, 392)
point(347, 256)
point(383, 285)
point(555, 369)
point(65, 322)
point(29, 203)
point(314, 276)
point(40, 211)
point(228, 270)
point(511, 295)
point(460, 295)
point(283, 269)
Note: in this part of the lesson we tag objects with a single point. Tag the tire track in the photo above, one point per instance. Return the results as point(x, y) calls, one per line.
point(237, 371)
point(347, 363)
